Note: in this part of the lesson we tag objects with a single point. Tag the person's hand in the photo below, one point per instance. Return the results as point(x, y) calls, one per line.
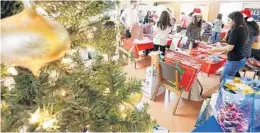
point(211, 51)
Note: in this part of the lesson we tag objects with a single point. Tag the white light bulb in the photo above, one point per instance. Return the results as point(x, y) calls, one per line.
point(48, 124)
point(12, 70)
point(66, 60)
point(63, 92)
point(35, 117)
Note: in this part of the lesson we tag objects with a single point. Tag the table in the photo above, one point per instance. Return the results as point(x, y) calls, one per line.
point(223, 34)
point(206, 66)
point(138, 45)
point(191, 67)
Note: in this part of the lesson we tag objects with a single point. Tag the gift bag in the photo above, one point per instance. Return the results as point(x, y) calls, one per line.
point(255, 122)
point(235, 110)
point(150, 83)
point(256, 114)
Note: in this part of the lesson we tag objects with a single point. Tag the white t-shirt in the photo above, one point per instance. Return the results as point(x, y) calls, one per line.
point(161, 36)
point(130, 16)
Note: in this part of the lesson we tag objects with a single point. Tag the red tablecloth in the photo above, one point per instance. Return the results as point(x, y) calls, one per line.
point(206, 66)
point(190, 66)
point(223, 34)
point(140, 45)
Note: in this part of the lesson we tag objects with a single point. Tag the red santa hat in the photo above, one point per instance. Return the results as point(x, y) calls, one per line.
point(196, 11)
point(247, 13)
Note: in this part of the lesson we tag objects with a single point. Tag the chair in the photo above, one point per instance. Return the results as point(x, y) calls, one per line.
point(169, 77)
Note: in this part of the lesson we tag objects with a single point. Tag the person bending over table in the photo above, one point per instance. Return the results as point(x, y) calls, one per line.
point(237, 39)
point(147, 17)
point(194, 29)
point(161, 32)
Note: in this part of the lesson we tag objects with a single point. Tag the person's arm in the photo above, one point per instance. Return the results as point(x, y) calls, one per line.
point(230, 44)
point(225, 49)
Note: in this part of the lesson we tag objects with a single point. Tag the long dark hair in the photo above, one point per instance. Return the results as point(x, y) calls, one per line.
point(164, 21)
point(239, 21)
point(254, 25)
point(147, 15)
point(219, 17)
point(195, 23)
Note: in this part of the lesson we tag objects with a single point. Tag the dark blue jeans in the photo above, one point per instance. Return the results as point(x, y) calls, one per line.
point(231, 68)
point(215, 37)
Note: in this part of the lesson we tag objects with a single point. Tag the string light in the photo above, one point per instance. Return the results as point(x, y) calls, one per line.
point(66, 60)
point(12, 70)
point(122, 107)
point(63, 92)
point(9, 83)
point(106, 91)
point(35, 117)
point(3, 105)
point(48, 124)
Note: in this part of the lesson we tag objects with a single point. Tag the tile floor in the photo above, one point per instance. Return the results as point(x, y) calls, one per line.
point(187, 111)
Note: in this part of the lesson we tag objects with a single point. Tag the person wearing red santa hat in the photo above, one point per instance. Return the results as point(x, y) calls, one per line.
point(194, 29)
point(253, 30)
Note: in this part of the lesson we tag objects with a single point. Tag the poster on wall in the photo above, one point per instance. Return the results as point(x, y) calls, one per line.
point(255, 14)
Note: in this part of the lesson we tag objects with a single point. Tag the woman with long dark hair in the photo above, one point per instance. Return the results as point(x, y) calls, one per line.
point(253, 30)
point(147, 17)
point(194, 29)
point(161, 32)
point(236, 42)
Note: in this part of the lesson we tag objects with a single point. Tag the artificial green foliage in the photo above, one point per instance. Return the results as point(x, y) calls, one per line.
point(9, 8)
point(80, 98)
point(85, 22)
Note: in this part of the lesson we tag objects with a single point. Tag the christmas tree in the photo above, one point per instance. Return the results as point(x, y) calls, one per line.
point(69, 94)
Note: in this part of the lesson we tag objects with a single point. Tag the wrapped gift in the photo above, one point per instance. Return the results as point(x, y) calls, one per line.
point(236, 106)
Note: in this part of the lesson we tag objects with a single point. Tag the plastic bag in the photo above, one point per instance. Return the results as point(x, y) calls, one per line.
point(255, 84)
point(256, 116)
point(236, 111)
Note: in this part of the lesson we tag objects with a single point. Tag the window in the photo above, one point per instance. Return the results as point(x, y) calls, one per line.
point(187, 8)
point(227, 8)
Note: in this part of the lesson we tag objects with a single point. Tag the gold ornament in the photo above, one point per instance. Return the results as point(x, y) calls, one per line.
point(30, 40)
